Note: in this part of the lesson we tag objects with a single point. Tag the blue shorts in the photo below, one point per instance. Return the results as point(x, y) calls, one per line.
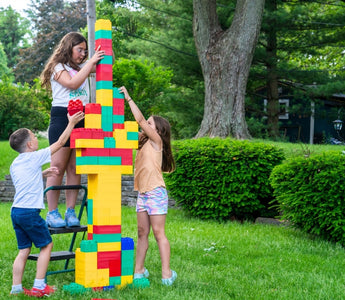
point(58, 123)
point(30, 228)
point(154, 202)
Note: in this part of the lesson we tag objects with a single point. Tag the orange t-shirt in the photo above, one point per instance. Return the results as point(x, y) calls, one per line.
point(148, 169)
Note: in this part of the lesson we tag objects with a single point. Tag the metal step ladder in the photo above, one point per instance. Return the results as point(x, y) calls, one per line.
point(66, 255)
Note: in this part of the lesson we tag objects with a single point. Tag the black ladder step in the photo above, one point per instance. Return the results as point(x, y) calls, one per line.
point(60, 230)
point(60, 255)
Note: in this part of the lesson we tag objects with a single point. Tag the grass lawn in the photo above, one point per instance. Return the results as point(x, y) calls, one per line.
point(7, 155)
point(213, 261)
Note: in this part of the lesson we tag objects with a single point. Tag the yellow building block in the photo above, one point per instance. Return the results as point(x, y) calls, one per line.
point(89, 143)
point(106, 220)
point(78, 152)
point(125, 280)
point(85, 267)
point(125, 144)
point(131, 126)
point(89, 228)
point(115, 246)
point(103, 24)
point(119, 135)
point(102, 278)
point(93, 121)
point(94, 169)
point(104, 97)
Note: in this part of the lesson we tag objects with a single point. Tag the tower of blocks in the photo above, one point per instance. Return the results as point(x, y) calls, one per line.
point(104, 151)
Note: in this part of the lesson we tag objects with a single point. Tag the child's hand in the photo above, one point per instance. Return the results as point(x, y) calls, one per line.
point(76, 118)
point(99, 54)
point(52, 171)
point(125, 92)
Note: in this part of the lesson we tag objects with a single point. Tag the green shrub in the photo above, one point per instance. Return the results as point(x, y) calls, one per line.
point(310, 194)
point(22, 106)
point(223, 178)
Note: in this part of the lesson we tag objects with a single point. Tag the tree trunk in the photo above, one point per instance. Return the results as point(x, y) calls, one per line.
point(272, 76)
point(225, 58)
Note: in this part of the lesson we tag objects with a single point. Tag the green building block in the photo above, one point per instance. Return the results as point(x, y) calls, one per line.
point(88, 246)
point(132, 136)
point(109, 142)
point(104, 85)
point(110, 160)
point(87, 160)
point(118, 119)
point(103, 34)
point(75, 289)
point(140, 283)
point(117, 94)
point(127, 262)
point(89, 211)
point(106, 60)
point(107, 238)
point(115, 280)
point(107, 118)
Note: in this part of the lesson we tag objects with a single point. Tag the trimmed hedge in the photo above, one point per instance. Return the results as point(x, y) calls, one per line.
point(310, 194)
point(223, 178)
point(22, 106)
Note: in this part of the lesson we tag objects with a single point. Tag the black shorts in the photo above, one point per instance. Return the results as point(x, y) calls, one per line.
point(58, 123)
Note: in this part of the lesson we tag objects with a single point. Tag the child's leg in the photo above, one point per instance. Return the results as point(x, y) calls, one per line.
point(43, 261)
point(19, 265)
point(158, 228)
point(72, 179)
point(143, 242)
point(59, 159)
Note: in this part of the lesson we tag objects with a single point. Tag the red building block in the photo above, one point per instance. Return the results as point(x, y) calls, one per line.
point(93, 108)
point(104, 229)
point(118, 126)
point(118, 106)
point(106, 45)
point(104, 259)
point(115, 268)
point(74, 106)
point(104, 72)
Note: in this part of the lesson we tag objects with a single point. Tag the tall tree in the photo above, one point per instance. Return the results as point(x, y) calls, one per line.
point(51, 19)
point(161, 32)
point(14, 31)
point(300, 44)
point(225, 57)
point(4, 70)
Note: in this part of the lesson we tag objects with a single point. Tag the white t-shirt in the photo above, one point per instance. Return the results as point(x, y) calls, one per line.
point(26, 174)
point(62, 95)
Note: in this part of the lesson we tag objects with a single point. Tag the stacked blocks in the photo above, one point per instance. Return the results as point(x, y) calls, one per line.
point(104, 151)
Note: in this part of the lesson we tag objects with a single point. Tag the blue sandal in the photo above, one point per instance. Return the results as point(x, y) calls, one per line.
point(146, 274)
point(170, 281)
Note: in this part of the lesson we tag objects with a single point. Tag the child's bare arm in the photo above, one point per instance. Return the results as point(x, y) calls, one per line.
point(139, 117)
point(73, 120)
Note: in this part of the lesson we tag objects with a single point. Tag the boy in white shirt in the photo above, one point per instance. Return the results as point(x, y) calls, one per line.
point(30, 227)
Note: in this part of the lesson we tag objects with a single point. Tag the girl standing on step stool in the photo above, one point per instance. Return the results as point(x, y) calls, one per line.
point(66, 74)
point(154, 156)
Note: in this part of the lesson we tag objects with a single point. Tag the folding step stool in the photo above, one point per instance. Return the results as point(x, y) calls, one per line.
point(65, 255)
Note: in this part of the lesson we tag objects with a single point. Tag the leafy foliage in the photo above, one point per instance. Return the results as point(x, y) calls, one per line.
point(14, 30)
point(22, 106)
point(310, 194)
point(223, 178)
point(144, 82)
point(52, 19)
point(4, 70)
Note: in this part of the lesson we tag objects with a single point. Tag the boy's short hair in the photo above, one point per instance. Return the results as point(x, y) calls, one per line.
point(19, 138)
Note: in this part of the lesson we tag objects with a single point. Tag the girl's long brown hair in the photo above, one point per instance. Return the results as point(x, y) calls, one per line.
point(62, 54)
point(163, 129)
